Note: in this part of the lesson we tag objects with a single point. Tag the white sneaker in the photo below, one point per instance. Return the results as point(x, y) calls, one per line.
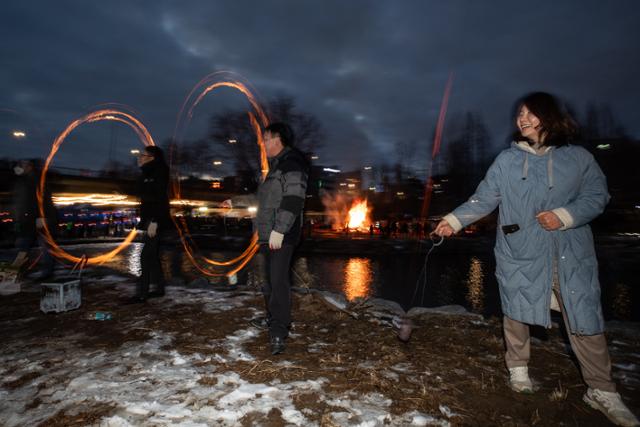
point(519, 379)
point(610, 404)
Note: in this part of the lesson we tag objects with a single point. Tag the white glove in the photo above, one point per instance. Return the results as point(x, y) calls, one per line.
point(152, 229)
point(40, 223)
point(275, 240)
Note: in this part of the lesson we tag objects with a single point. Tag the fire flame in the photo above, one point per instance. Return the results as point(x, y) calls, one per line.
point(358, 215)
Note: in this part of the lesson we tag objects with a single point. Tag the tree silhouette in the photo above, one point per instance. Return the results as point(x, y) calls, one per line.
point(233, 139)
point(600, 123)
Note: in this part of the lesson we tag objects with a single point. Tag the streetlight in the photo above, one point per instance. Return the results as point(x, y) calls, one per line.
point(19, 134)
point(314, 157)
point(217, 162)
point(135, 152)
point(232, 141)
point(367, 168)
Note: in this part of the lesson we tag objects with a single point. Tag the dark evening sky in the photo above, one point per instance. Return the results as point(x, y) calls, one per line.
point(372, 72)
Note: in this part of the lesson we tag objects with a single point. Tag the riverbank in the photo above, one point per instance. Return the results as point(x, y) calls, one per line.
point(192, 359)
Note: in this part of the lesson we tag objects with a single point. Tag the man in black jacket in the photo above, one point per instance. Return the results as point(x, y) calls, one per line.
point(155, 220)
point(280, 198)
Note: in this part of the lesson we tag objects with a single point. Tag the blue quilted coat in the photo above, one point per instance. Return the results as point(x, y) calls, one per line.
point(568, 181)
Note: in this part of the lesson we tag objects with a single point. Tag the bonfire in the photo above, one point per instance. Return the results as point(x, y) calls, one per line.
point(358, 216)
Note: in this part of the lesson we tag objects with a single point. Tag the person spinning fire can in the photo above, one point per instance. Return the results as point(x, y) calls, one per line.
point(280, 199)
point(547, 191)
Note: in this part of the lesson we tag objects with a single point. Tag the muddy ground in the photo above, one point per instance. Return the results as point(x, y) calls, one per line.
point(452, 368)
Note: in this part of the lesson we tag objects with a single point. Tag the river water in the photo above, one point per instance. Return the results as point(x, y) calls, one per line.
point(460, 275)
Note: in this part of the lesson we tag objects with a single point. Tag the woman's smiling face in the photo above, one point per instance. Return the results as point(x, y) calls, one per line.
point(529, 124)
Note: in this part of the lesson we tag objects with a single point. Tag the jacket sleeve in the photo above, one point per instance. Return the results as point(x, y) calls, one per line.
point(485, 199)
point(591, 199)
point(294, 189)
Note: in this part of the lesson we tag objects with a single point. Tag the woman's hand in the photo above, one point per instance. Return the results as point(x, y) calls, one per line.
point(549, 221)
point(444, 229)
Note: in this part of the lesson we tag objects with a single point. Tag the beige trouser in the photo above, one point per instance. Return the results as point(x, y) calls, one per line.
point(591, 350)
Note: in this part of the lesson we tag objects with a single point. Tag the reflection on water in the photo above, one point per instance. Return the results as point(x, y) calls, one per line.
point(475, 285)
point(453, 277)
point(357, 278)
point(133, 259)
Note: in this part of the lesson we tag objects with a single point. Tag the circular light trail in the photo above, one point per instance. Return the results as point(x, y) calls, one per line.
point(257, 118)
point(111, 114)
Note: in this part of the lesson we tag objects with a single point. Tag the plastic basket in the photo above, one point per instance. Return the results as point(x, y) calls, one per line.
point(61, 295)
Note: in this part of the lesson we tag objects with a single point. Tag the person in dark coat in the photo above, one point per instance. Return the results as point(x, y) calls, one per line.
point(28, 220)
point(547, 190)
point(155, 220)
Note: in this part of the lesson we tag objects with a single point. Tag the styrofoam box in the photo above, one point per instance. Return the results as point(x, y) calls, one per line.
point(62, 295)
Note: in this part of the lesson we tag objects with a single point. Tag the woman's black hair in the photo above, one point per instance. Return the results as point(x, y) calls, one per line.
point(284, 131)
point(556, 124)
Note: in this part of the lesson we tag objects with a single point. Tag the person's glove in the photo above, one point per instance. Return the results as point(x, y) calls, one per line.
point(152, 230)
point(275, 240)
point(40, 223)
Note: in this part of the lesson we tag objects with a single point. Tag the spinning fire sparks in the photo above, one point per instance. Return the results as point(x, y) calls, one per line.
point(437, 140)
point(257, 118)
point(112, 114)
point(358, 215)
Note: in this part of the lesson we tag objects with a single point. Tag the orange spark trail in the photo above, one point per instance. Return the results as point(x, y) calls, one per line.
point(436, 145)
point(443, 112)
point(257, 118)
point(112, 114)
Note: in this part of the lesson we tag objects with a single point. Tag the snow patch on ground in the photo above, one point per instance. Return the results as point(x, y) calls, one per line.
point(149, 385)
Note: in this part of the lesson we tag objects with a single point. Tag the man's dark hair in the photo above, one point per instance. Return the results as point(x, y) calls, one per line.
point(283, 130)
point(156, 152)
point(557, 125)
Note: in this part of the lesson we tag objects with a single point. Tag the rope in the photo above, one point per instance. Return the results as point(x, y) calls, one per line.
point(423, 272)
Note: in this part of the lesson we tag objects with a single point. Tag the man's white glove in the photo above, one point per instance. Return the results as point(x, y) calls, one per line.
point(152, 229)
point(40, 223)
point(275, 240)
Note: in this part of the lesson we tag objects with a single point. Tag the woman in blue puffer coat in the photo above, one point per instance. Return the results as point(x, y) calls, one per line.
point(547, 191)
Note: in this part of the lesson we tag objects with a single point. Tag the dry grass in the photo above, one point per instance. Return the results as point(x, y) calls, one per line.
point(559, 393)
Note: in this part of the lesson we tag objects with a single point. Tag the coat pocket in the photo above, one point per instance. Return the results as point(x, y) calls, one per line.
point(530, 242)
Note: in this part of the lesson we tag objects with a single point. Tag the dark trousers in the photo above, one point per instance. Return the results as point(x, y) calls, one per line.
point(151, 267)
point(277, 289)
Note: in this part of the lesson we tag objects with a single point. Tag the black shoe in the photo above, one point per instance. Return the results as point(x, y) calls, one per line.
point(260, 323)
point(277, 345)
point(155, 294)
point(135, 300)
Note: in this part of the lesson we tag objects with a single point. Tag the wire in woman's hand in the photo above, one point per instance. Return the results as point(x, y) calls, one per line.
point(443, 229)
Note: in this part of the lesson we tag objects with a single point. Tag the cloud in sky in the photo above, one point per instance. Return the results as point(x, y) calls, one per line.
point(372, 72)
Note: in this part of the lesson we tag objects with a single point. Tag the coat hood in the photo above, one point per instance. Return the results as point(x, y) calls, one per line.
point(529, 150)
